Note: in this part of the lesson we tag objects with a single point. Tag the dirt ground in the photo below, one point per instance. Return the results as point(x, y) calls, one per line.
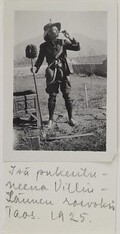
point(91, 120)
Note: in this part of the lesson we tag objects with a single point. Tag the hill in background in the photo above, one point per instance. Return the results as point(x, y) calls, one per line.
point(89, 47)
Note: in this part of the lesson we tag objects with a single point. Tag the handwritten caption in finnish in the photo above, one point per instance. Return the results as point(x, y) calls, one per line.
point(58, 195)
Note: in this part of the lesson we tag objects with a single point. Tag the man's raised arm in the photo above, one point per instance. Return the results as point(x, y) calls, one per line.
point(73, 44)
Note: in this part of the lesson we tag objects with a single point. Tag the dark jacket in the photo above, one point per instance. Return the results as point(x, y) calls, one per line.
point(49, 50)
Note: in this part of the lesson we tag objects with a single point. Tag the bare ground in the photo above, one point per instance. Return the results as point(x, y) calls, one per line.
point(91, 119)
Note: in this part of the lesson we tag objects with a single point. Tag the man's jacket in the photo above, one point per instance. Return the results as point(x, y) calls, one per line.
point(50, 49)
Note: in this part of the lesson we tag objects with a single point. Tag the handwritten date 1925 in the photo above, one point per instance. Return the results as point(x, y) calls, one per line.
point(70, 217)
point(60, 216)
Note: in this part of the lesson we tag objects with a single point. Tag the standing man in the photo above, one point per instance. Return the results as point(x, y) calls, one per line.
point(54, 50)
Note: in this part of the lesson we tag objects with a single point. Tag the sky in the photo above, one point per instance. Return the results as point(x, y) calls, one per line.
point(29, 24)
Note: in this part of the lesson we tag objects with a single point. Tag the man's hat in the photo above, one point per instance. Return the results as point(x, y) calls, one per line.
point(50, 25)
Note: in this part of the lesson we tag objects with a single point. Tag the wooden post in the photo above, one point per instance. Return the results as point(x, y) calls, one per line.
point(86, 96)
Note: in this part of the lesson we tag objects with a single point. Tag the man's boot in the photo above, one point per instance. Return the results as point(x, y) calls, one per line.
point(69, 107)
point(51, 108)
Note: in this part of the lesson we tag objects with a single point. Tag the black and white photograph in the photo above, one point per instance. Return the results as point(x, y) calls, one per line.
point(60, 80)
point(59, 136)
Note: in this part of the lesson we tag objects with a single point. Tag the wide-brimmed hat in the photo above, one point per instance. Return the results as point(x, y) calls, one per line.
point(50, 25)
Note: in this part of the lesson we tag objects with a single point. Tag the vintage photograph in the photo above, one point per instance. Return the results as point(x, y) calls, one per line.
point(60, 80)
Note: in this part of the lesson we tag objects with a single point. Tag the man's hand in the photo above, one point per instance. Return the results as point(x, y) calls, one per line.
point(66, 34)
point(33, 69)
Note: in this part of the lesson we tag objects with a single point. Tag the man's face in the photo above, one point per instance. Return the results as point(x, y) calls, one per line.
point(53, 33)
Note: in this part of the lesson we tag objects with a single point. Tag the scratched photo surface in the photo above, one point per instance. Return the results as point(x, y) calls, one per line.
point(88, 80)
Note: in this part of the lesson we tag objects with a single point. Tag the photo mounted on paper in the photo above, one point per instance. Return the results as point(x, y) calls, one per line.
point(60, 80)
